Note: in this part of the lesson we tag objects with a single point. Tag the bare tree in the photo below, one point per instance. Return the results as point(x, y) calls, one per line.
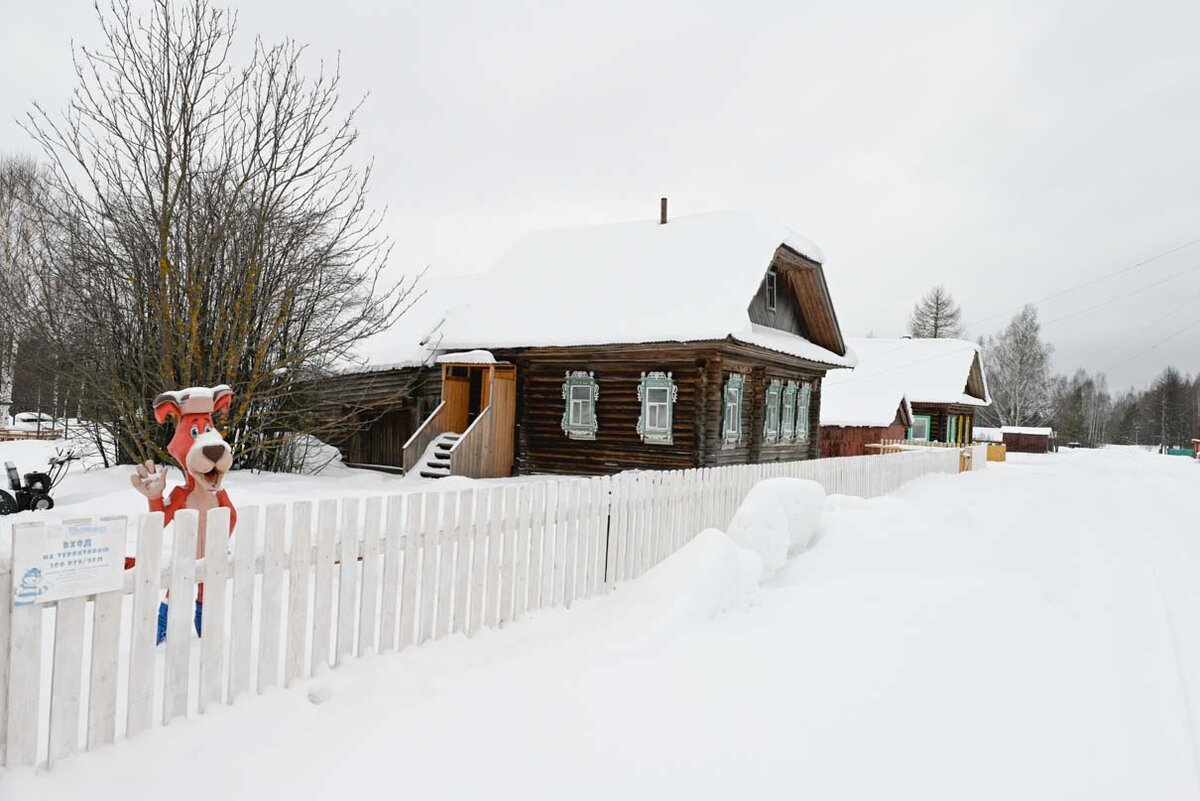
point(204, 224)
point(18, 177)
point(1017, 364)
point(936, 316)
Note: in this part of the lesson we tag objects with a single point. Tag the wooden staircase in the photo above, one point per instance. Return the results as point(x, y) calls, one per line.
point(436, 462)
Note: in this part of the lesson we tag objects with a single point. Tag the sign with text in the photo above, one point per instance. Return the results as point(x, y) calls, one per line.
point(67, 560)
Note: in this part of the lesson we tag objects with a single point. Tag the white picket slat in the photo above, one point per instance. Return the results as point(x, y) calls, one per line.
point(447, 543)
point(270, 617)
point(212, 639)
point(102, 680)
point(429, 565)
point(537, 525)
point(295, 658)
point(180, 612)
point(412, 555)
point(66, 678)
point(521, 553)
point(24, 673)
point(324, 555)
point(479, 546)
point(241, 640)
point(347, 579)
point(146, 591)
point(390, 605)
point(508, 553)
point(369, 594)
point(494, 549)
point(462, 560)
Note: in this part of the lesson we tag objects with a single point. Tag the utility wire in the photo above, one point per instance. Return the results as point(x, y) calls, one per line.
point(1124, 296)
point(1090, 282)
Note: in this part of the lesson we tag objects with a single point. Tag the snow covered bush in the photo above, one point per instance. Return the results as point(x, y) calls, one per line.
point(778, 514)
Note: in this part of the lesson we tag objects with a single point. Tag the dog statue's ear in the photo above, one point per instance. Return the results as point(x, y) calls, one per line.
point(222, 399)
point(166, 407)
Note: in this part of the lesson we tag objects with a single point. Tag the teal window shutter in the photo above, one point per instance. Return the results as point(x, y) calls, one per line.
point(803, 407)
point(788, 426)
point(771, 412)
point(732, 427)
point(657, 393)
point(580, 393)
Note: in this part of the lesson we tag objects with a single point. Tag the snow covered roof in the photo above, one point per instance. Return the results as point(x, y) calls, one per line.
point(925, 370)
point(689, 280)
point(1035, 431)
point(870, 402)
point(467, 357)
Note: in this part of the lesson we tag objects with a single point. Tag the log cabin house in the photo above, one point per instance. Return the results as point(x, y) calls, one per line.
point(942, 379)
point(648, 345)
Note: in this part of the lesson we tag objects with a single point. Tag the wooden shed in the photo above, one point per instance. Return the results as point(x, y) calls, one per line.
point(1025, 439)
point(861, 409)
point(649, 345)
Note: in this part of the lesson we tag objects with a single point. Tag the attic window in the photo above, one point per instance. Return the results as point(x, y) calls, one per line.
point(580, 393)
point(772, 289)
point(657, 393)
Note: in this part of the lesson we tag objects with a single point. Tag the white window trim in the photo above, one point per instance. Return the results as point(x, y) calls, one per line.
point(577, 379)
point(772, 289)
point(788, 411)
point(659, 435)
point(732, 434)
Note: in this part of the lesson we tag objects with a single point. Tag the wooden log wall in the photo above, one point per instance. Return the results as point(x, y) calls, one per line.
point(542, 445)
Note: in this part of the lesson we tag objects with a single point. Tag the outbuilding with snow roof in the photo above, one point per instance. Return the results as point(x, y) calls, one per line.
point(942, 379)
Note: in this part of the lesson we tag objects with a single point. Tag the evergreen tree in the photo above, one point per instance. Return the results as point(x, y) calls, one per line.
point(936, 316)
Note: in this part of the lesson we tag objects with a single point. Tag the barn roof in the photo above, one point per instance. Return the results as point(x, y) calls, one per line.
point(690, 280)
point(925, 370)
point(851, 400)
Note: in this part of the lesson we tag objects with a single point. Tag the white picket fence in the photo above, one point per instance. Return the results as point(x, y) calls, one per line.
point(299, 590)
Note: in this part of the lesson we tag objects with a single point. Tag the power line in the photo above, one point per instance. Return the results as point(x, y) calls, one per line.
point(1162, 341)
point(1123, 296)
point(1090, 282)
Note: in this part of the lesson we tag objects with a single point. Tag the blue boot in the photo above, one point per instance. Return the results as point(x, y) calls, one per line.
point(162, 623)
point(199, 615)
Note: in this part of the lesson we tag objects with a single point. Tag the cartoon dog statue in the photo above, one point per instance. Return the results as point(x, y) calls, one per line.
point(203, 455)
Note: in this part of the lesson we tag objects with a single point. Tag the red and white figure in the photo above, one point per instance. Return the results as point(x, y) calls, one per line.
point(203, 455)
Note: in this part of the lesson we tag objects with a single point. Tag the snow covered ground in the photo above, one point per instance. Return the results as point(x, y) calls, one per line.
point(1027, 631)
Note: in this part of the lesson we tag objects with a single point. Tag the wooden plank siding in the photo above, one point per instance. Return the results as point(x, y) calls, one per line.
point(699, 371)
point(940, 413)
point(852, 440)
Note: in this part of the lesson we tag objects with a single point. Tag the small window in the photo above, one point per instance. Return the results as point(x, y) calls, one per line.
point(920, 428)
point(803, 409)
point(788, 428)
point(772, 289)
point(734, 386)
point(657, 393)
point(580, 392)
point(771, 412)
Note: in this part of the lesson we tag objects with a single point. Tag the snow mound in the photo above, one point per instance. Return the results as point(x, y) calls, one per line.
point(778, 514)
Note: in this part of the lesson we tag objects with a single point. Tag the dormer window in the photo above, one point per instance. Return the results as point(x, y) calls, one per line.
point(772, 289)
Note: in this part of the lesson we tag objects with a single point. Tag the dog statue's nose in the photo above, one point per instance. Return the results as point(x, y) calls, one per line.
point(213, 452)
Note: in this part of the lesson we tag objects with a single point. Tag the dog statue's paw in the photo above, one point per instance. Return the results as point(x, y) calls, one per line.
point(149, 480)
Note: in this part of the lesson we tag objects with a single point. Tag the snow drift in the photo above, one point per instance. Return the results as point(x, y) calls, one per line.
point(778, 515)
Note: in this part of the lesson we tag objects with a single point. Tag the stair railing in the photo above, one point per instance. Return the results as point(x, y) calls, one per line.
point(434, 426)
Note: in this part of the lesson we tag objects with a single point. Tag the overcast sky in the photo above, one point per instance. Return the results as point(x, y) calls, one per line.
point(1008, 152)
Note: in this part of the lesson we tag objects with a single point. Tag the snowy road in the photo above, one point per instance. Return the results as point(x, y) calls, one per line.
point(1029, 631)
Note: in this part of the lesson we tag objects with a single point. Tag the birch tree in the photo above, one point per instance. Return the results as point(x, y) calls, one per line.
point(18, 176)
point(1017, 363)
